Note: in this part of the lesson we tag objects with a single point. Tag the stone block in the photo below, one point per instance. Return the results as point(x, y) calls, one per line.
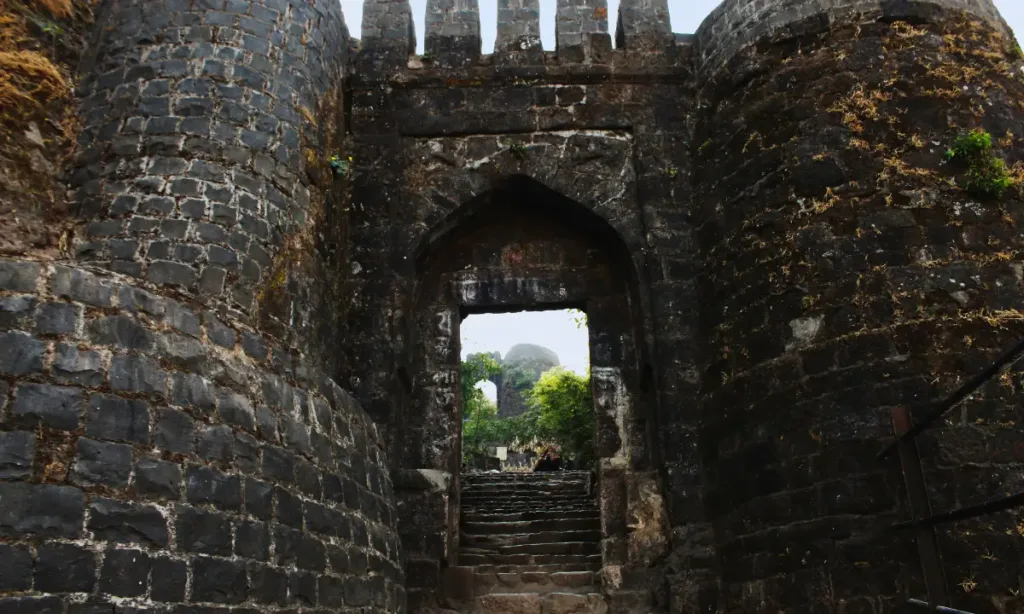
point(120, 331)
point(54, 406)
point(203, 531)
point(22, 354)
point(83, 286)
point(101, 463)
point(206, 485)
point(269, 585)
point(124, 573)
point(157, 478)
point(137, 374)
point(42, 510)
point(218, 580)
point(64, 568)
point(57, 318)
point(80, 367)
point(15, 568)
point(258, 498)
point(252, 540)
point(19, 275)
point(113, 418)
point(115, 521)
point(31, 605)
point(17, 450)
point(169, 579)
point(175, 432)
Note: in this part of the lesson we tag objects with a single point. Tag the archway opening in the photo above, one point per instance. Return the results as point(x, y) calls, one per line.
point(521, 247)
point(527, 404)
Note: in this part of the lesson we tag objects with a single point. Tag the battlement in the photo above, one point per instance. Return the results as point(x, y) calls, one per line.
point(452, 37)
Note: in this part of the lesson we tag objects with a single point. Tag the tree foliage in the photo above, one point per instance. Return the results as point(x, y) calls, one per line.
point(560, 412)
point(563, 406)
point(478, 412)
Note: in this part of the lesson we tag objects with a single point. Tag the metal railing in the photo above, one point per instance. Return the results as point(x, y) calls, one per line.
point(923, 521)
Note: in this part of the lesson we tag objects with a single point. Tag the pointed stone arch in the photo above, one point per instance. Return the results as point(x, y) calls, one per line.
point(499, 238)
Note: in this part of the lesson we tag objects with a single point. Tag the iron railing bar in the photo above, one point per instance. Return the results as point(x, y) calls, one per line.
point(920, 507)
point(988, 507)
point(961, 393)
point(941, 609)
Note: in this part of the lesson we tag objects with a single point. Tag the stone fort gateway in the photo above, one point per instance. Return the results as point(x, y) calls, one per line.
point(231, 383)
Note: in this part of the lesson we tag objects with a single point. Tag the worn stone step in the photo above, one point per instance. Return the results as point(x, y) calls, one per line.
point(480, 557)
point(525, 477)
point(484, 515)
point(499, 492)
point(559, 495)
point(551, 603)
point(541, 582)
point(564, 505)
point(550, 568)
point(498, 540)
point(532, 526)
point(542, 548)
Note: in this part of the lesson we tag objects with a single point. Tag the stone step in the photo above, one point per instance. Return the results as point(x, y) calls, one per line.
point(532, 603)
point(550, 547)
point(485, 515)
point(525, 477)
point(500, 540)
point(532, 491)
point(472, 527)
point(478, 557)
point(486, 582)
point(529, 504)
point(559, 512)
point(520, 496)
point(550, 568)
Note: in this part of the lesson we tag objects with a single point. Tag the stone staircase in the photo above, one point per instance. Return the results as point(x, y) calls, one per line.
point(530, 544)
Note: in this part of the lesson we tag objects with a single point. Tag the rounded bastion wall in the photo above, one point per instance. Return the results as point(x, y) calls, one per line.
point(847, 271)
point(190, 169)
point(157, 452)
point(153, 454)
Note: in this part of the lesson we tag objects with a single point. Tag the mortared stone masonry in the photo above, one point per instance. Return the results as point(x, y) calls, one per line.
point(237, 389)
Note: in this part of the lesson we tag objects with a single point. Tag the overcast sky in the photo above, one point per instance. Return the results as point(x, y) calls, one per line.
point(686, 16)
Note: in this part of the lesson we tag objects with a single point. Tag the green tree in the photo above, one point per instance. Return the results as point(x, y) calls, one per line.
point(478, 412)
point(563, 411)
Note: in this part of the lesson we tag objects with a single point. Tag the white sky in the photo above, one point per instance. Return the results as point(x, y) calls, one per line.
point(555, 330)
point(686, 16)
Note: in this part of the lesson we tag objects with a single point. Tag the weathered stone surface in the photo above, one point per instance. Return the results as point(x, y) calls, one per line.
point(759, 220)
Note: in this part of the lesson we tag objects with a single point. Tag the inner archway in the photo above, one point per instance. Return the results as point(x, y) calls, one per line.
point(522, 246)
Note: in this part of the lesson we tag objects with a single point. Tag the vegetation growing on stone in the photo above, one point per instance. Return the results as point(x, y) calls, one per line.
point(987, 174)
point(40, 42)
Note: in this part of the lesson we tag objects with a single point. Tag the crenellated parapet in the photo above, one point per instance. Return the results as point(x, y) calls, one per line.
point(190, 168)
point(452, 37)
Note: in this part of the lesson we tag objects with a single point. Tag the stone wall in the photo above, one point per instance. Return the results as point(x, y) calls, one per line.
point(190, 171)
point(846, 272)
point(153, 453)
point(792, 258)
